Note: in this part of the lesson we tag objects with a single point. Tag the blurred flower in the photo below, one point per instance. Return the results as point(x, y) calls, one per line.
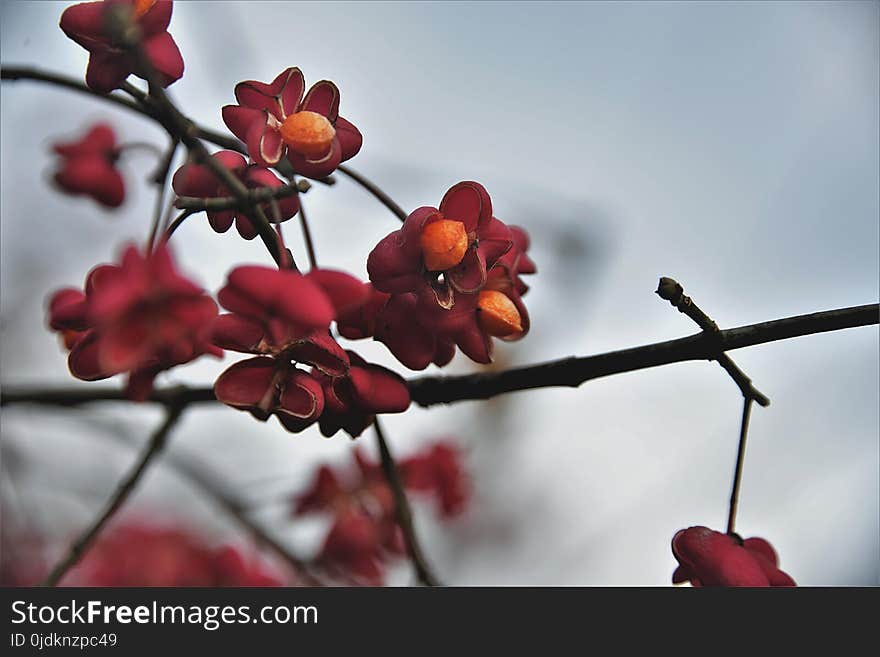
point(710, 558)
point(364, 533)
point(197, 180)
point(109, 65)
point(142, 554)
point(88, 166)
point(140, 317)
point(275, 119)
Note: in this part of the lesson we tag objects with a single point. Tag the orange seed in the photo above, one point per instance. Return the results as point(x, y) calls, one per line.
point(498, 315)
point(444, 244)
point(308, 133)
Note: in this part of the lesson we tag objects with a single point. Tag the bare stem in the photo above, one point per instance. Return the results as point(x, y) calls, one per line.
point(124, 490)
point(404, 514)
point(375, 190)
point(307, 237)
point(740, 456)
point(159, 178)
point(673, 292)
point(258, 195)
point(568, 372)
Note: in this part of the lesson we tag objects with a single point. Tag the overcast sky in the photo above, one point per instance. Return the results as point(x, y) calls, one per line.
point(731, 146)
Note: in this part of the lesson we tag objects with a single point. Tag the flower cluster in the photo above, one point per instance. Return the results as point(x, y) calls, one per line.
point(281, 119)
point(199, 181)
point(109, 64)
point(710, 558)
point(450, 276)
point(138, 317)
point(144, 554)
point(88, 166)
point(364, 533)
point(283, 318)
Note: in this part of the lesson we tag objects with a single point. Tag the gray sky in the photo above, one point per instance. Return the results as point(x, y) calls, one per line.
point(731, 146)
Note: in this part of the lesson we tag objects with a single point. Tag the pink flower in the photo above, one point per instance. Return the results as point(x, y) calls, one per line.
point(354, 400)
point(109, 65)
point(140, 317)
point(392, 320)
point(88, 167)
point(445, 250)
point(276, 119)
point(145, 554)
point(710, 558)
point(438, 471)
point(197, 180)
point(282, 317)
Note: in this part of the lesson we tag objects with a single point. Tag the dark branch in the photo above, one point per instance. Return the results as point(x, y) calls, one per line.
point(126, 487)
point(673, 292)
point(259, 195)
point(401, 506)
point(740, 457)
point(375, 190)
point(570, 372)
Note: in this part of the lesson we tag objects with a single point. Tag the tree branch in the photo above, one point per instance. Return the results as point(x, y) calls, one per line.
point(673, 292)
point(258, 195)
point(126, 487)
point(375, 190)
point(401, 507)
point(569, 372)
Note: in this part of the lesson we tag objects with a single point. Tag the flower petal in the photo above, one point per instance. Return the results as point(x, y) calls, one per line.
point(107, 71)
point(350, 138)
point(346, 292)
point(165, 57)
point(469, 275)
point(322, 98)
point(247, 383)
point(469, 203)
point(239, 119)
point(322, 351)
point(394, 265)
point(379, 390)
point(301, 397)
point(237, 333)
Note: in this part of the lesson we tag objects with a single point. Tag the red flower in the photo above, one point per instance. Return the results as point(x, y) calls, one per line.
point(445, 250)
point(140, 317)
point(275, 118)
point(283, 317)
point(392, 320)
point(710, 558)
point(197, 180)
point(109, 65)
point(88, 166)
point(353, 401)
point(438, 471)
point(142, 554)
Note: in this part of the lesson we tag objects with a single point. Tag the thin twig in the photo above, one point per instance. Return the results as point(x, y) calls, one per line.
point(673, 292)
point(127, 35)
point(404, 514)
point(568, 372)
point(123, 491)
point(257, 195)
point(740, 456)
point(159, 178)
point(178, 221)
point(375, 190)
point(307, 237)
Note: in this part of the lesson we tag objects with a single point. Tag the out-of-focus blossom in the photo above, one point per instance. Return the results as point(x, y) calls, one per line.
point(364, 534)
point(88, 167)
point(710, 558)
point(197, 180)
point(110, 65)
point(139, 317)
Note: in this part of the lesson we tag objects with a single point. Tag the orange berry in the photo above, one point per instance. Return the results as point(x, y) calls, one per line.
point(444, 244)
point(308, 133)
point(497, 314)
point(141, 7)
